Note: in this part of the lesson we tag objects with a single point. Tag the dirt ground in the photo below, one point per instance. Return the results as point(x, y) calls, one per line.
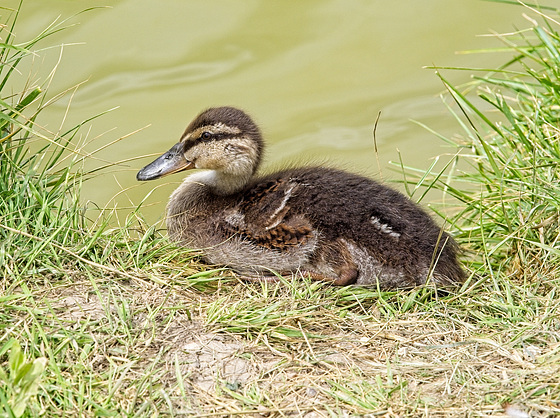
point(416, 364)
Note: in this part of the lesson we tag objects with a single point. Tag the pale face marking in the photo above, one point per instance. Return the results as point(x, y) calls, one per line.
point(386, 229)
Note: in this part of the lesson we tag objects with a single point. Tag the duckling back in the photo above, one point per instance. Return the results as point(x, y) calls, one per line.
point(371, 233)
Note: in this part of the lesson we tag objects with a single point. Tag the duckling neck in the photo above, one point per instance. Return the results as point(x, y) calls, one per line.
point(220, 183)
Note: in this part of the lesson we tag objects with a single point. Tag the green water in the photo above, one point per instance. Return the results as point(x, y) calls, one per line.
point(314, 74)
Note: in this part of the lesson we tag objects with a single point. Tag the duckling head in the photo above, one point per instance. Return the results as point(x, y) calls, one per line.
point(224, 141)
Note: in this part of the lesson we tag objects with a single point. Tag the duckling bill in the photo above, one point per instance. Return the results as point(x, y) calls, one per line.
point(172, 161)
point(326, 223)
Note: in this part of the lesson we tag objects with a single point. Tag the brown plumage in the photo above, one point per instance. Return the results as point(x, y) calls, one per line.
point(330, 224)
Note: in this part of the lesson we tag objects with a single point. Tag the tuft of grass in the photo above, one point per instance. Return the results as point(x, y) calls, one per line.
point(505, 173)
point(47, 245)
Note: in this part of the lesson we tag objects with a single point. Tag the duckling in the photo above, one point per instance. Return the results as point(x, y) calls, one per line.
point(326, 223)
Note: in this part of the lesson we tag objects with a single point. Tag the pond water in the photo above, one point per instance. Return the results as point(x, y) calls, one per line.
point(314, 75)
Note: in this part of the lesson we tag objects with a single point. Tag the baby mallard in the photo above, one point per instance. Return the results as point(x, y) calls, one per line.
point(325, 223)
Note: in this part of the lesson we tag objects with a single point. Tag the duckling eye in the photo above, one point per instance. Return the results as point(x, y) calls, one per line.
point(206, 135)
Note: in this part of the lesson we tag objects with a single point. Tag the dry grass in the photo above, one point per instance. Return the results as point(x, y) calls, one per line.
point(296, 348)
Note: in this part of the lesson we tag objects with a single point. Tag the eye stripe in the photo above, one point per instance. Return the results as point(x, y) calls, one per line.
point(190, 141)
point(218, 132)
point(218, 129)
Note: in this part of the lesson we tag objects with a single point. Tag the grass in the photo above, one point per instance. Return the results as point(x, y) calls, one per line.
point(114, 321)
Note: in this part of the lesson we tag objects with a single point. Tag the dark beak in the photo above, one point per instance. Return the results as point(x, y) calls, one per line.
point(171, 162)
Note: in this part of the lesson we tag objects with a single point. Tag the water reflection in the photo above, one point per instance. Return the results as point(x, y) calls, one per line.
point(313, 74)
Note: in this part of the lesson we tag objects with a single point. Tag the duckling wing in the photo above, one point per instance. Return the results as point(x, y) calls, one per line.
point(264, 217)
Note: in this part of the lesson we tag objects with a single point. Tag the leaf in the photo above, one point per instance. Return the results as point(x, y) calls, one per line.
point(16, 359)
